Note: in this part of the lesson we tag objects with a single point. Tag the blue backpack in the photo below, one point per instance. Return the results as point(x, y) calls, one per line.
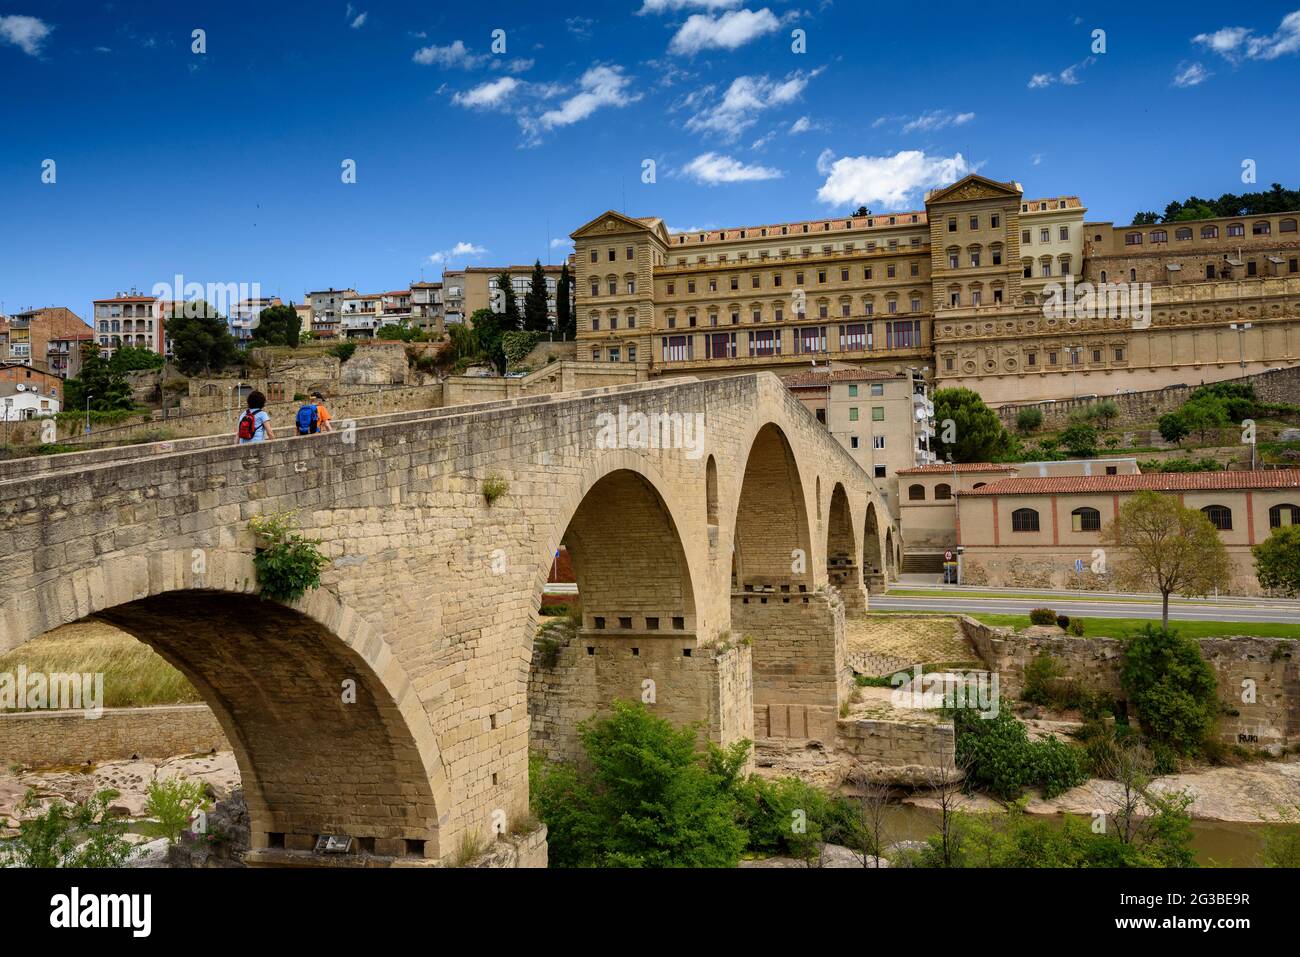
point(307, 420)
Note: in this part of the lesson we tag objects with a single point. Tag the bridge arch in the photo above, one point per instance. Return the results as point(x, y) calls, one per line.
point(873, 564)
point(325, 726)
point(772, 538)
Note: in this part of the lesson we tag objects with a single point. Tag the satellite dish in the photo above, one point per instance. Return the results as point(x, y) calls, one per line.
point(21, 387)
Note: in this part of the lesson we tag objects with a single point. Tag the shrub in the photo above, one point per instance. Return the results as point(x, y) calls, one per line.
point(1173, 690)
point(342, 350)
point(788, 816)
point(287, 563)
point(173, 803)
point(1063, 621)
point(84, 834)
point(1042, 616)
point(1080, 440)
point(645, 797)
point(1029, 419)
point(1055, 766)
point(1076, 627)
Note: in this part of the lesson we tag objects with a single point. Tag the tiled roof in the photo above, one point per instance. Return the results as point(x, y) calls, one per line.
point(1154, 481)
point(960, 467)
point(816, 227)
point(129, 299)
point(822, 377)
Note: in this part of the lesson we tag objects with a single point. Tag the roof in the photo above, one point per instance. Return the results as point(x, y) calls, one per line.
point(1151, 481)
point(498, 269)
point(823, 377)
point(816, 227)
point(129, 299)
point(959, 467)
point(1053, 203)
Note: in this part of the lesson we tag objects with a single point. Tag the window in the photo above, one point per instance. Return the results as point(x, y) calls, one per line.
point(853, 391)
point(853, 338)
point(1182, 234)
point(877, 388)
point(1085, 520)
point(877, 413)
point(1024, 520)
point(1119, 353)
point(853, 414)
point(995, 221)
point(1236, 229)
point(1159, 236)
point(798, 279)
point(952, 224)
point(916, 493)
point(595, 256)
point(595, 288)
point(954, 258)
point(595, 323)
point(1024, 237)
point(1209, 232)
point(766, 343)
point(754, 281)
point(1065, 234)
point(942, 491)
point(612, 255)
point(1132, 239)
point(878, 471)
point(810, 339)
point(613, 354)
point(1286, 226)
point(720, 345)
point(1112, 470)
point(974, 222)
point(979, 485)
point(1220, 516)
point(853, 442)
point(1209, 271)
point(1280, 516)
point(690, 285)
point(776, 279)
point(677, 348)
point(631, 252)
point(1044, 235)
point(878, 442)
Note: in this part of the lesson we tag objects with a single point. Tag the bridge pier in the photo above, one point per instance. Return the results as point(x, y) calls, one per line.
point(800, 670)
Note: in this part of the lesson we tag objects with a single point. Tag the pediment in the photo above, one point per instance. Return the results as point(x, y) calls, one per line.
point(973, 187)
point(611, 223)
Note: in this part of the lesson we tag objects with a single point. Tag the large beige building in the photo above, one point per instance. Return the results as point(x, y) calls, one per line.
point(971, 287)
point(465, 291)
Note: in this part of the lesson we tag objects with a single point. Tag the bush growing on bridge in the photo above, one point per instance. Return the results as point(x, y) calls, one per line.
point(287, 564)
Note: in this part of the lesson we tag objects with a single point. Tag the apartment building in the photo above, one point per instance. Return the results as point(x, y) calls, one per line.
point(129, 319)
point(63, 351)
point(244, 316)
point(885, 421)
point(28, 392)
point(465, 291)
point(965, 286)
point(427, 307)
point(32, 332)
point(326, 308)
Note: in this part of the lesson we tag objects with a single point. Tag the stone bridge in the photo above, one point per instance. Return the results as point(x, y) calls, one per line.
point(392, 702)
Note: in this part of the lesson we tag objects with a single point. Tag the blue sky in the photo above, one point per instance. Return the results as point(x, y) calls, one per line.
point(226, 166)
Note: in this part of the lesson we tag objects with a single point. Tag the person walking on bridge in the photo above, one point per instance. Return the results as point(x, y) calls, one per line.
point(253, 424)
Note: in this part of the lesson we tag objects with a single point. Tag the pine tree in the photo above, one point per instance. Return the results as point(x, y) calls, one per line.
point(201, 340)
point(536, 315)
point(564, 319)
point(105, 385)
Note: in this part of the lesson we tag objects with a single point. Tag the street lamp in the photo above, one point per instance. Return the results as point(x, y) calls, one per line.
point(1241, 328)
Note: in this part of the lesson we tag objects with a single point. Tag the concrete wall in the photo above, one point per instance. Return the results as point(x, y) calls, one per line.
point(1271, 721)
point(53, 738)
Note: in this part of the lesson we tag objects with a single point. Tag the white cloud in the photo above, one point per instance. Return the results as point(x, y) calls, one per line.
point(359, 21)
point(487, 96)
point(801, 125)
point(561, 241)
point(713, 168)
point(599, 86)
point(746, 97)
point(461, 249)
point(517, 65)
point(932, 120)
point(763, 140)
point(27, 33)
point(453, 54)
point(1237, 43)
point(728, 31)
point(1190, 74)
point(1067, 77)
point(1036, 159)
point(672, 6)
point(580, 27)
point(890, 181)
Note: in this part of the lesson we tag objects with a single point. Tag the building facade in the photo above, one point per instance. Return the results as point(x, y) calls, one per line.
point(972, 289)
point(129, 319)
point(32, 332)
point(465, 291)
point(244, 316)
point(326, 311)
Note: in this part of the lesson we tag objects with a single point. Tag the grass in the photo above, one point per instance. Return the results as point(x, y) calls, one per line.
point(1120, 627)
point(134, 674)
point(1046, 597)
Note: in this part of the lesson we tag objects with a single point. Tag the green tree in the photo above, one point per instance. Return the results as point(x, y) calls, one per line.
point(489, 328)
point(536, 313)
point(1203, 414)
point(645, 798)
point(1173, 427)
point(106, 385)
point(1104, 412)
point(1146, 219)
point(172, 803)
point(1166, 548)
point(1029, 419)
point(1172, 687)
point(277, 326)
point(976, 433)
point(201, 340)
point(1080, 440)
point(134, 359)
point(509, 302)
point(565, 321)
point(1277, 560)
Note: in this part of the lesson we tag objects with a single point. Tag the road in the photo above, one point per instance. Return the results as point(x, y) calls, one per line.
point(1090, 609)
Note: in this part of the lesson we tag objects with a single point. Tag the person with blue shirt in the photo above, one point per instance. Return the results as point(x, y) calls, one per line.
point(253, 424)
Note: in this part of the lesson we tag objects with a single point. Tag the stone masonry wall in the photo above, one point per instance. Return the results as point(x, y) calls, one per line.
point(1270, 721)
point(51, 738)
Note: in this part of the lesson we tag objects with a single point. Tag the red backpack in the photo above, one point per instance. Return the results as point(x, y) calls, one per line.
point(248, 425)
